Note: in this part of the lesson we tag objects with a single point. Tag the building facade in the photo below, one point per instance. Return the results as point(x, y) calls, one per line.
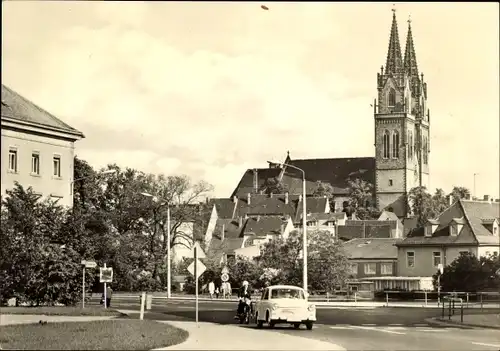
point(37, 149)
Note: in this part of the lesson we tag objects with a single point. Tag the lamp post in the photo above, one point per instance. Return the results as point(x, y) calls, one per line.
point(304, 224)
point(169, 270)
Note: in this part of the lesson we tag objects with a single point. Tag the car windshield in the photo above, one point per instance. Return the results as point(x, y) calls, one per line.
point(283, 293)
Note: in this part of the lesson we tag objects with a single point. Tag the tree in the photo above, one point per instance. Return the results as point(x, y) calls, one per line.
point(421, 204)
point(325, 190)
point(328, 265)
point(360, 199)
point(460, 193)
point(470, 274)
point(274, 186)
point(36, 264)
point(439, 201)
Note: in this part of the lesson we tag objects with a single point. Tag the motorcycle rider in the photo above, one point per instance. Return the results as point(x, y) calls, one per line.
point(243, 294)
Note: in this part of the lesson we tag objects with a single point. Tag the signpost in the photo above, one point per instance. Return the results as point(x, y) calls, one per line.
point(86, 264)
point(225, 270)
point(197, 268)
point(224, 277)
point(105, 276)
point(440, 269)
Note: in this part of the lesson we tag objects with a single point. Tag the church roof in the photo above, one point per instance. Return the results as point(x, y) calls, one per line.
point(18, 108)
point(394, 64)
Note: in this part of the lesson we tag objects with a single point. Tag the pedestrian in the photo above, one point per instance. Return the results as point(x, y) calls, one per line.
point(211, 289)
point(217, 292)
point(228, 287)
point(109, 294)
point(224, 290)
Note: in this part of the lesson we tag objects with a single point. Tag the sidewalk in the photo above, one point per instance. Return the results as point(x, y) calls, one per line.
point(235, 337)
point(489, 321)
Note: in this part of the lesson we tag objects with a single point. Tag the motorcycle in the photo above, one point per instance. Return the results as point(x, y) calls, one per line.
point(244, 317)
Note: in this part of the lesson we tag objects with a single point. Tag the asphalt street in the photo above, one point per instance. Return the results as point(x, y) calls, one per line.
point(352, 328)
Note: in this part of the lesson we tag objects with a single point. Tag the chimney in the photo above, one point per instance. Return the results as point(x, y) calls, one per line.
point(240, 221)
point(486, 198)
point(255, 180)
point(223, 233)
point(235, 199)
point(248, 198)
point(286, 198)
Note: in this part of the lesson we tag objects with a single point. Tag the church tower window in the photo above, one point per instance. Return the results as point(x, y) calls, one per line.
point(410, 145)
point(386, 144)
point(395, 144)
point(392, 98)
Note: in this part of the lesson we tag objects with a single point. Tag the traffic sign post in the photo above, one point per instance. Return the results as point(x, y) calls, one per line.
point(225, 270)
point(197, 268)
point(86, 264)
point(105, 276)
point(224, 277)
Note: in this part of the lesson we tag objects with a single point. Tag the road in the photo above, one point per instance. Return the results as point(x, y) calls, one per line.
point(352, 328)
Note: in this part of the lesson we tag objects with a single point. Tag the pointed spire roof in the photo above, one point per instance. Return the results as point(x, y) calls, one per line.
point(410, 61)
point(394, 63)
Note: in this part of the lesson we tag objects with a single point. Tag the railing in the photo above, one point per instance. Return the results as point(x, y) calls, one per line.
point(452, 301)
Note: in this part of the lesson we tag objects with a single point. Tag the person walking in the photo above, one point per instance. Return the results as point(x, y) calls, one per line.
point(211, 289)
point(109, 294)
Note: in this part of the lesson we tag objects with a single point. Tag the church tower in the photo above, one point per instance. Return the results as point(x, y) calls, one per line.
point(401, 126)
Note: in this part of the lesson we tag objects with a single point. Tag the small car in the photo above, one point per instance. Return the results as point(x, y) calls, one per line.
point(284, 304)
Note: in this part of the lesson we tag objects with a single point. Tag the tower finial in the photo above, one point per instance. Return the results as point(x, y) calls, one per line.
point(394, 9)
point(409, 19)
point(394, 64)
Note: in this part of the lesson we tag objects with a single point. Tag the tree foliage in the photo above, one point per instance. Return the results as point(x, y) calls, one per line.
point(467, 273)
point(274, 186)
point(360, 194)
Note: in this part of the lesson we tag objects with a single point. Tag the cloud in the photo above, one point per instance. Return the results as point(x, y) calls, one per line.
point(210, 89)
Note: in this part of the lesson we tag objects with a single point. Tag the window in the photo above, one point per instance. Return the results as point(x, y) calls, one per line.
point(392, 98)
point(265, 293)
point(395, 145)
point(354, 268)
point(387, 145)
point(370, 268)
point(426, 152)
point(35, 163)
point(13, 160)
point(390, 182)
point(386, 268)
point(410, 259)
point(436, 258)
point(410, 144)
point(454, 229)
point(311, 224)
point(57, 166)
point(495, 230)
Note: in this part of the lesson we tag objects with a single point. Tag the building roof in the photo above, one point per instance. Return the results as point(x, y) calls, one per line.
point(321, 216)
point(348, 232)
point(218, 248)
point(372, 223)
point(378, 248)
point(224, 207)
point(473, 231)
point(335, 171)
point(267, 205)
point(262, 226)
point(18, 108)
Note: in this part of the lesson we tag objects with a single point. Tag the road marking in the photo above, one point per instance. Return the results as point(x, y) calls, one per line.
point(421, 325)
point(369, 324)
point(434, 330)
point(339, 327)
point(396, 324)
point(380, 330)
point(396, 328)
point(483, 344)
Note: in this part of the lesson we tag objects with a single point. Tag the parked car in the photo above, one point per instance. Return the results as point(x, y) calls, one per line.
point(285, 304)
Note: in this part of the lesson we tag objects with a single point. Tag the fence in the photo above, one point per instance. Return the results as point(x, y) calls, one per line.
point(470, 299)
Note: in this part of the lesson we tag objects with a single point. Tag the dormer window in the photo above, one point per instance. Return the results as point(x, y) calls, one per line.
point(312, 223)
point(430, 227)
point(456, 226)
point(491, 225)
point(454, 230)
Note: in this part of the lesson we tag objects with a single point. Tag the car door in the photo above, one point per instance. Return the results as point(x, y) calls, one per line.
point(264, 300)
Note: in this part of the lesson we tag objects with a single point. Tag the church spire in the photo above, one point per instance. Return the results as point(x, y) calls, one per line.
point(410, 61)
point(394, 63)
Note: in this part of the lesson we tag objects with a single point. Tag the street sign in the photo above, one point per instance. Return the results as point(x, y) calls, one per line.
point(106, 275)
point(200, 269)
point(89, 264)
point(225, 270)
point(224, 277)
point(440, 268)
point(200, 252)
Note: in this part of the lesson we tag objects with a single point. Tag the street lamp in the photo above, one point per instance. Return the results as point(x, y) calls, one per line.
point(109, 171)
point(169, 273)
point(304, 224)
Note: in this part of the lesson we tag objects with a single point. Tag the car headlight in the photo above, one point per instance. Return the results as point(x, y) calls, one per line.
point(274, 306)
point(311, 308)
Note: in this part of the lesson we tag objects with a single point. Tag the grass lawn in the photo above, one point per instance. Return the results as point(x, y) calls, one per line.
point(61, 311)
point(121, 334)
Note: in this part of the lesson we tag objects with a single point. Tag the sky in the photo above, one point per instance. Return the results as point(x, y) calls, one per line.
point(209, 89)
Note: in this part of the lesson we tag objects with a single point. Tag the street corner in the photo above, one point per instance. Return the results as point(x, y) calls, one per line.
point(244, 337)
point(438, 321)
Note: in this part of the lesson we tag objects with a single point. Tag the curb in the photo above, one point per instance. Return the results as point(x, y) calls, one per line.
point(439, 321)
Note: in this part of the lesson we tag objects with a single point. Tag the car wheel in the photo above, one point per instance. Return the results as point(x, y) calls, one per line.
point(309, 325)
point(296, 325)
point(259, 323)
